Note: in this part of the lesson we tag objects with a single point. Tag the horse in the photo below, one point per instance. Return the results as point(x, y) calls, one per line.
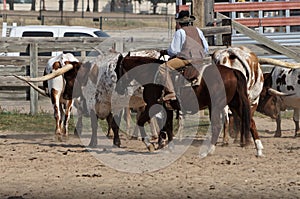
point(212, 92)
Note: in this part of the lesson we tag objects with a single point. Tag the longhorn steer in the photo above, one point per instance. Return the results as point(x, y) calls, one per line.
point(93, 84)
point(58, 81)
point(242, 59)
point(60, 90)
point(281, 91)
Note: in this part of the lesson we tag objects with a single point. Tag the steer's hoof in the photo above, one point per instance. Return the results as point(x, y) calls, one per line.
point(93, 143)
point(277, 135)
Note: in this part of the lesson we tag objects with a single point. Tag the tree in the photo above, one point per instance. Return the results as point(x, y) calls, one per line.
point(11, 4)
point(155, 2)
point(33, 5)
point(96, 5)
point(112, 5)
point(75, 8)
point(88, 6)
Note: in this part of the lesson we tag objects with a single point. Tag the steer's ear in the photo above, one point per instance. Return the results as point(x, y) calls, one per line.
point(94, 74)
point(56, 65)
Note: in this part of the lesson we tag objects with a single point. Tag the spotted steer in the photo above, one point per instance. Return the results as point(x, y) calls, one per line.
point(286, 94)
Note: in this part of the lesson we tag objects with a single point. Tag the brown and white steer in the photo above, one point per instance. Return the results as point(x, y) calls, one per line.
point(281, 91)
point(244, 60)
point(60, 90)
point(58, 82)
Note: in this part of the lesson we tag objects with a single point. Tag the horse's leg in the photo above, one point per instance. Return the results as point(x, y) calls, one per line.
point(254, 133)
point(216, 127)
point(167, 132)
point(109, 120)
point(154, 128)
point(258, 144)
point(115, 127)
point(94, 124)
point(169, 128)
point(144, 117)
point(226, 127)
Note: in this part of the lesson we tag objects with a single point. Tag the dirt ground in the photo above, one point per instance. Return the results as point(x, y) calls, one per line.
point(36, 165)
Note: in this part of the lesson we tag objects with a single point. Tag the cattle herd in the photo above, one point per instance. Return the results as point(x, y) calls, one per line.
point(89, 87)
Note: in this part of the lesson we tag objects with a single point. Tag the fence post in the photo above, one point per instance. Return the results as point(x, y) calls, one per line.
point(226, 38)
point(33, 73)
point(119, 46)
point(100, 22)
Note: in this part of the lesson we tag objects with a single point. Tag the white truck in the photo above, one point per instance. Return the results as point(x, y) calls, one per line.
point(50, 31)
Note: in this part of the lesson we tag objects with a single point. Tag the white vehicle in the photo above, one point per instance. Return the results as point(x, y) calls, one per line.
point(52, 31)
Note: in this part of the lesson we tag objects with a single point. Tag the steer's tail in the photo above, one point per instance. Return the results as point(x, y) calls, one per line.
point(244, 110)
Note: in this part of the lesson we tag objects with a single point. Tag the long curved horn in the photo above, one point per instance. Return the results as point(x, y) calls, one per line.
point(278, 63)
point(41, 91)
point(52, 75)
point(278, 93)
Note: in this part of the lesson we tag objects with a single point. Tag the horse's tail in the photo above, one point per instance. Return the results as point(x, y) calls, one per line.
point(244, 109)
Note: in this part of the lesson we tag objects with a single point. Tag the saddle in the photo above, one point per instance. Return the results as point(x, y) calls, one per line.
point(190, 73)
point(184, 79)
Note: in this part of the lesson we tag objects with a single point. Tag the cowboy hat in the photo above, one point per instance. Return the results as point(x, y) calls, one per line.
point(184, 17)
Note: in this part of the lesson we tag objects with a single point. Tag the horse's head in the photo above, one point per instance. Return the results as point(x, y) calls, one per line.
point(122, 79)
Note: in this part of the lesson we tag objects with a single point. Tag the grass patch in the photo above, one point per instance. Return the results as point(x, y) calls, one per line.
point(18, 122)
point(288, 114)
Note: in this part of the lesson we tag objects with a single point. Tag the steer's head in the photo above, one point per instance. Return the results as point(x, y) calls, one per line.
point(70, 77)
point(69, 71)
point(270, 101)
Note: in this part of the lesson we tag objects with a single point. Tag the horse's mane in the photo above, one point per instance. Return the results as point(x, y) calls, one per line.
point(144, 60)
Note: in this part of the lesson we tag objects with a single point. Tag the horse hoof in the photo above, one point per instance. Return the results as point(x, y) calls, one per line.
point(151, 148)
point(117, 143)
point(206, 150)
point(260, 155)
point(225, 144)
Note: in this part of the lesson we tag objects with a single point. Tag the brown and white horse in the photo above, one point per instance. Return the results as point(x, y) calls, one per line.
point(213, 93)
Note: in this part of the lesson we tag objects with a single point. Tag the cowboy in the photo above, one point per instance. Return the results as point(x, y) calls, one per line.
point(188, 45)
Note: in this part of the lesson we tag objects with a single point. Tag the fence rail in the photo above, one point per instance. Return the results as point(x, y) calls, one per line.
point(256, 6)
point(262, 14)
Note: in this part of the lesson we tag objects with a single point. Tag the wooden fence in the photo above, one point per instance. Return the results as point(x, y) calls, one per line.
point(262, 14)
point(12, 89)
